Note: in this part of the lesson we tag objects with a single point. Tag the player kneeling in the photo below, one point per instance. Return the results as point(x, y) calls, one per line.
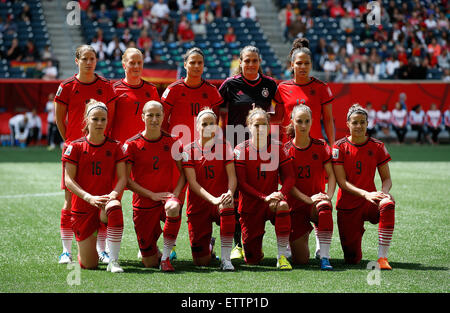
point(355, 160)
point(208, 163)
point(92, 164)
point(308, 199)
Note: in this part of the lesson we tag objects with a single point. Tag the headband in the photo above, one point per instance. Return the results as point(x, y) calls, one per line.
point(359, 111)
point(97, 107)
point(206, 111)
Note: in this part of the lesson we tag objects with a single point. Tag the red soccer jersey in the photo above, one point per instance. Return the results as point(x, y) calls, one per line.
point(309, 167)
point(153, 165)
point(262, 169)
point(75, 95)
point(182, 105)
point(210, 171)
point(129, 104)
point(96, 167)
point(360, 164)
point(314, 94)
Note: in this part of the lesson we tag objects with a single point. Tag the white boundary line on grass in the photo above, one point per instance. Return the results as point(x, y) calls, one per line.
point(30, 195)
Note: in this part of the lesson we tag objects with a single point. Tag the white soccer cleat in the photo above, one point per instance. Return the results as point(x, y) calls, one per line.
point(114, 267)
point(104, 257)
point(65, 258)
point(226, 265)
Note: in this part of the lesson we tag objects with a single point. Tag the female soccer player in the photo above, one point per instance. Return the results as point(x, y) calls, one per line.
point(91, 165)
point(241, 93)
point(355, 160)
point(307, 90)
point(154, 156)
point(259, 163)
point(184, 99)
point(308, 200)
point(132, 93)
point(71, 98)
point(208, 163)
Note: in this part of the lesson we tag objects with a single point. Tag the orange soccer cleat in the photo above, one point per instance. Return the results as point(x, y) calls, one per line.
point(384, 264)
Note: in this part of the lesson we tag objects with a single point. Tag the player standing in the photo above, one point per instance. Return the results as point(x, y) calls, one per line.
point(91, 165)
point(307, 90)
point(184, 99)
point(308, 199)
point(355, 160)
point(241, 93)
point(132, 93)
point(70, 102)
point(259, 163)
point(154, 156)
point(209, 166)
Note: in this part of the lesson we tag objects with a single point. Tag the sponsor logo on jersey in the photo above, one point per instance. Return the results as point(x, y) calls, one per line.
point(59, 91)
point(335, 153)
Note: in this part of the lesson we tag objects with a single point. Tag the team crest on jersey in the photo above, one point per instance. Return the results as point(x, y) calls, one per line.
point(370, 152)
point(99, 91)
point(265, 92)
point(312, 92)
point(147, 94)
point(335, 153)
point(68, 150)
point(315, 156)
point(205, 95)
point(166, 147)
point(108, 153)
point(59, 91)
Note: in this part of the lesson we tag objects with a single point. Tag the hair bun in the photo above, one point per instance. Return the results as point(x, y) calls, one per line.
point(300, 43)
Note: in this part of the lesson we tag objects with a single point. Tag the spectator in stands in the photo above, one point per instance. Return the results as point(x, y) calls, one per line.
point(417, 121)
point(53, 136)
point(346, 23)
point(234, 65)
point(433, 122)
point(230, 36)
point(380, 68)
point(371, 119)
point(135, 21)
point(14, 52)
point(199, 28)
point(356, 75)
point(26, 15)
point(446, 75)
point(186, 34)
point(49, 70)
point(35, 127)
point(184, 6)
point(143, 39)
point(192, 15)
point(384, 120)
point(10, 27)
point(100, 48)
point(121, 21)
point(114, 46)
point(447, 119)
point(206, 16)
point(115, 4)
point(230, 10)
point(335, 9)
point(47, 54)
point(147, 53)
point(19, 130)
point(126, 36)
point(248, 11)
point(30, 52)
point(442, 22)
point(370, 75)
point(287, 16)
point(298, 28)
point(330, 66)
point(160, 9)
point(349, 46)
point(444, 59)
point(399, 121)
point(391, 66)
point(103, 15)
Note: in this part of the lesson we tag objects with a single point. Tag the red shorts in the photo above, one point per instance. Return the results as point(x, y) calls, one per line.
point(85, 223)
point(300, 222)
point(147, 225)
point(200, 229)
point(253, 229)
point(351, 229)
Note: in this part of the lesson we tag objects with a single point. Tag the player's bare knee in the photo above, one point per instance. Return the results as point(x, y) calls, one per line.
point(112, 204)
point(172, 208)
point(386, 202)
point(283, 206)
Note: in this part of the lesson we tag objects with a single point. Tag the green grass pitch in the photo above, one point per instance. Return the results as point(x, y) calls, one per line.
point(30, 204)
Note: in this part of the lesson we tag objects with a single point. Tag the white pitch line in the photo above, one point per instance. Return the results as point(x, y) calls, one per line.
point(30, 195)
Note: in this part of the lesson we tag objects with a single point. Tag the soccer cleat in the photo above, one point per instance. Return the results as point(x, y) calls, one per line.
point(325, 264)
point(104, 257)
point(65, 258)
point(237, 253)
point(173, 254)
point(226, 265)
point(384, 264)
point(213, 253)
point(114, 267)
point(165, 266)
point(283, 264)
